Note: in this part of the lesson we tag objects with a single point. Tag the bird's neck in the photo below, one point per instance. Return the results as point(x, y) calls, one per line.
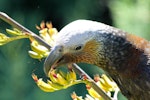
point(120, 56)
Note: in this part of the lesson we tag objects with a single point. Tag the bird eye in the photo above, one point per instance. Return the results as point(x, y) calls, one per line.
point(78, 47)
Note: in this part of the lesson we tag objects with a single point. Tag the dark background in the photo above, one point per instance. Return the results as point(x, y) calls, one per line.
point(16, 66)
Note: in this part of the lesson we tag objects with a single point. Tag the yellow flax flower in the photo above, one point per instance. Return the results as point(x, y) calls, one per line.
point(105, 83)
point(48, 34)
point(38, 51)
point(93, 93)
point(57, 80)
point(75, 97)
point(15, 34)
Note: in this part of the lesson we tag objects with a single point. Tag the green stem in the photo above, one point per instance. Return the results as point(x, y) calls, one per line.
point(77, 69)
point(76, 82)
point(17, 38)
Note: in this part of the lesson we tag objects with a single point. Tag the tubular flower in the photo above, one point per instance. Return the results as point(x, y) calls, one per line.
point(15, 34)
point(106, 84)
point(93, 93)
point(48, 34)
point(88, 97)
point(58, 80)
point(75, 97)
point(38, 51)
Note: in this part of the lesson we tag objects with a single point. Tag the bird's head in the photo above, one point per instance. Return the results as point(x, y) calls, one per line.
point(75, 43)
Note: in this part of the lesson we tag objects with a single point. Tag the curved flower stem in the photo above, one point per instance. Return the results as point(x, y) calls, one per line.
point(77, 69)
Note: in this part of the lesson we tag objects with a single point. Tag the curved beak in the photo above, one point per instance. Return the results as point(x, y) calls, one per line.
point(53, 59)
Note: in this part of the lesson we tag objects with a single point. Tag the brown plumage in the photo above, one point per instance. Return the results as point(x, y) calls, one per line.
point(124, 56)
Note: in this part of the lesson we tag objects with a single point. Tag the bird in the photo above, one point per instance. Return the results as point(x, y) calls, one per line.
point(124, 56)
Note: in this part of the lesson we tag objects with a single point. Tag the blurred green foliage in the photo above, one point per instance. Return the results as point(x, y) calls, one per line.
point(132, 16)
point(16, 66)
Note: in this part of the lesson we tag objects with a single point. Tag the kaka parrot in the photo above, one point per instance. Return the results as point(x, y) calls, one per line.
point(125, 57)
